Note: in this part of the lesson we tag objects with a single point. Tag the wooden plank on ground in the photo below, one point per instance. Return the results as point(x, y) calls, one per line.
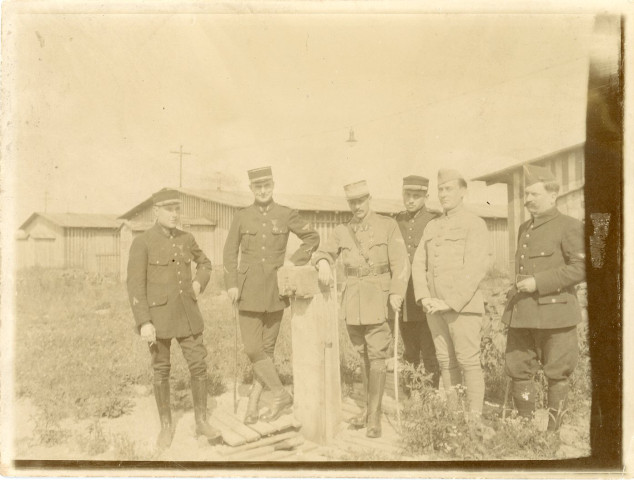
point(230, 452)
point(229, 435)
point(239, 427)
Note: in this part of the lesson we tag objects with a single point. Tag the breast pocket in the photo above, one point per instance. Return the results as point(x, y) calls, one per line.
point(280, 237)
point(158, 263)
point(541, 257)
point(247, 239)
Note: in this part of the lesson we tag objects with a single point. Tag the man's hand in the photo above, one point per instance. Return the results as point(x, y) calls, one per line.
point(395, 302)
point(426, 304)
point(233, 294)
point(288, 263)
point(196, 287)
point(148, 332)
point(527, 285)
point(325, 273)
point(436, 305)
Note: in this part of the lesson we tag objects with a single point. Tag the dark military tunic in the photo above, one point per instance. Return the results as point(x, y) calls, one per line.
point(160, 281)
point(551, 249)
point(412, 226)
point(260, 234)
point(369, 283)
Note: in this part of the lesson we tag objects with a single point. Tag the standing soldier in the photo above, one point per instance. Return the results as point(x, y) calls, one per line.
point(260, 234)
point(414, 328)
point(163, 298)
point(377, 271)
point(449, 264)
point(542, 312)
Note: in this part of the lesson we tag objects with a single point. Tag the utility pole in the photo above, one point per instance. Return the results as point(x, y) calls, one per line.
point(181, 153)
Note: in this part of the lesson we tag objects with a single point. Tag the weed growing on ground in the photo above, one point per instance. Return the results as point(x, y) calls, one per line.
point(48, 431)
point(94, 441)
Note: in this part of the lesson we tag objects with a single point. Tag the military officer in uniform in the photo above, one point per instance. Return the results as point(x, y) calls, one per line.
point(259, 233)
point(163, 297)
point(542, 312)
point(449, 264)
point(415, 332)
point(377, 270)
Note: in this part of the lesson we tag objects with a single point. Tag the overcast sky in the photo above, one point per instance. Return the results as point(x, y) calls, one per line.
point(102, 100)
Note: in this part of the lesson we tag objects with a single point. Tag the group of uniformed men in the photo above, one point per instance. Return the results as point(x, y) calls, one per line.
point(426, 264)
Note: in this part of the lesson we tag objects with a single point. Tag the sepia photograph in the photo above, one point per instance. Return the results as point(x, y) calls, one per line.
point(329, 236)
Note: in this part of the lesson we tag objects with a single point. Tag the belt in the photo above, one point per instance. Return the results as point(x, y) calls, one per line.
point(367, 271)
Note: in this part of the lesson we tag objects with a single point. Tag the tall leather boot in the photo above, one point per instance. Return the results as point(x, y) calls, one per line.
point(524, 397)
point(282, 400)
point(199, 396)
point(162, 396)
point(376, 385)
point(253, 411)
point(557, 396)
point(361, 420)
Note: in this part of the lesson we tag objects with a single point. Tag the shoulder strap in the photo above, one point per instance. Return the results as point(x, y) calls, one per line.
point(363, 253)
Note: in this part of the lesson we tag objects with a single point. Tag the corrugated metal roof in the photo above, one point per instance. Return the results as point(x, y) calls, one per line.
point(77, 220)
point(312, 203)
point(328, 203)
point(502, 176)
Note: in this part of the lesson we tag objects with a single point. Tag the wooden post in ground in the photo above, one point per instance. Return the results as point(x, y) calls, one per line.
point(315, 343)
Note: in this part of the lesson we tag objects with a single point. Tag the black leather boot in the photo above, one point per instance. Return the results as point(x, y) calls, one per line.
point(199, 396)
point(376, 385)
point(524, 397)
point(282, 400)
point(361, 420)
point(253, 410)
point(162, 396)
point(557, 396)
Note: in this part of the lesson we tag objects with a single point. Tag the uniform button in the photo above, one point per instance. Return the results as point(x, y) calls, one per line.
point(264, 224)
point(175, 253)
point(264, 213)
point(178, 263)
point(528, 235)
point(263, 235)
point(521, 256)
point(181, 291)
point(263, 259)
point(153, 303)
point(173, 244)
point(157, 261)
point(524, 246)
point(552, 300)
point(410, 228)
point(179, 272)
point(180, 281)
point(263, 248)
point(521, 268)
point(542, 253)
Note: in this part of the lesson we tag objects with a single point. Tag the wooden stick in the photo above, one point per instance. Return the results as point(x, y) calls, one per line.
point(398, 411)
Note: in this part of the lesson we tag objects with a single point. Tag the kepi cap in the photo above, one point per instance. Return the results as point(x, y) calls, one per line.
point(415, 182)
point(261, 174)
point(166, 196)
point(534, 174)
point(356, 190)
point(447, 174)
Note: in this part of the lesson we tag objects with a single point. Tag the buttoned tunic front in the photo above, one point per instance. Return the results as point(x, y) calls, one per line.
point(452, 259)
point(368, 283)
point(412, 226)
point(551, 249)
point(160, 281)
point(257, 238)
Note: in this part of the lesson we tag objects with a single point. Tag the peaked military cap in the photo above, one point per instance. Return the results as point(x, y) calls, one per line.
point(166, 196)
point(447, 174)
point(356, 190)
point(534, 174)
point(261, 174)
point(415, 182)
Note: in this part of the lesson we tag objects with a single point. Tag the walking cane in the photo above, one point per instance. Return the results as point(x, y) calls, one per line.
point(398, 410)
point(235, 360)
